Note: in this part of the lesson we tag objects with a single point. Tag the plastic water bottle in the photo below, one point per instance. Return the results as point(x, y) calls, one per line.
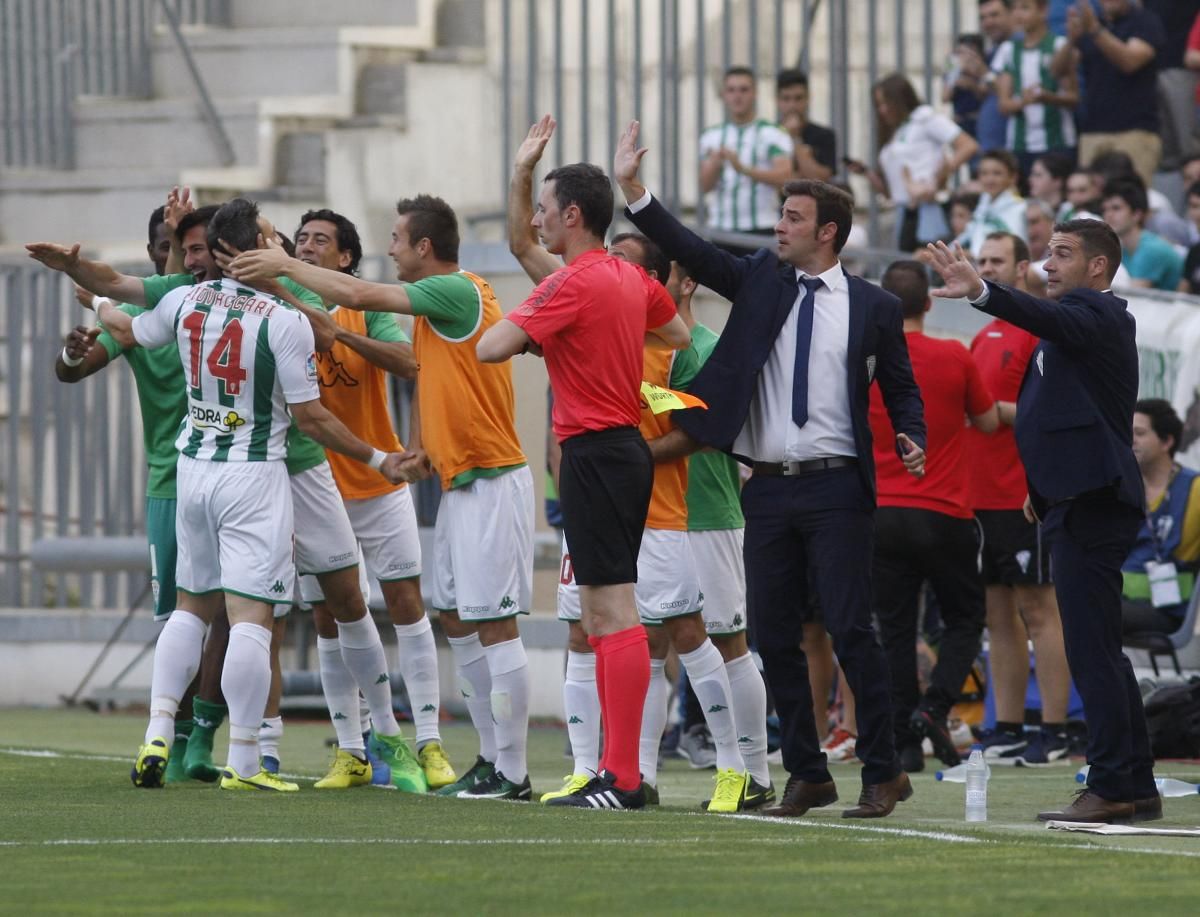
point(955, 774)
point(1169, 787)
point(1081, 776)
point(977, 773)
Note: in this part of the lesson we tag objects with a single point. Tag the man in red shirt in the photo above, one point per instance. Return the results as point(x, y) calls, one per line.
point(1021, 606)
point(924, 527)
point(590, 320)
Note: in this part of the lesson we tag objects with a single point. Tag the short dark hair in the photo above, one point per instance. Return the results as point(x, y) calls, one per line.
point(1130, 190)
point(1020, 248)
point(198, 217)
point(908, 282)
point(288, 245)
point(157, 218)
point(833, 205)
point(1007, 3)
point(1059, 165)
point(968, 199)
point(789, 77)
point(431, 218)
point(974, 40)
point(588, 188)
point(737, 70)
point(235, 222)
point(347, 239)
point(1005, 157)
point(1097, 238)
point(1112, 164)
point(1163, 420)
point(654, 259)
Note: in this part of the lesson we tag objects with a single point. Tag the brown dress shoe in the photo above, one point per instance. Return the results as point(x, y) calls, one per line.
point(799, 796)
point(878, 799)
point(1093, 809)
point(1149, 809)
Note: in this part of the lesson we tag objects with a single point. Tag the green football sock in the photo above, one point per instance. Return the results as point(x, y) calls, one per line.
point(176, 772)
point(206, 718)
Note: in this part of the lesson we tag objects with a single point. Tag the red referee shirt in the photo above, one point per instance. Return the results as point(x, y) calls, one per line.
point(590, 320)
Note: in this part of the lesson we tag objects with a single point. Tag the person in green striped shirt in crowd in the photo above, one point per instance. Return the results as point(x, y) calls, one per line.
point(1036, 87)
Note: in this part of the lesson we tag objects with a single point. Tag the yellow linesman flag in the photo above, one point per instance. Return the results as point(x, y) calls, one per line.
point(660, 400)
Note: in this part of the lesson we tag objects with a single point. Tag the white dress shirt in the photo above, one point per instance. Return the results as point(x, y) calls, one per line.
point(770, 434)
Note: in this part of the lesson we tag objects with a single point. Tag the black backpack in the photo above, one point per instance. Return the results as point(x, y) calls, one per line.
point(1173, 718)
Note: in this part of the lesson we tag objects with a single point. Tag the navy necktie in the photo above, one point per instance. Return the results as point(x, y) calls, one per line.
point(804, 329)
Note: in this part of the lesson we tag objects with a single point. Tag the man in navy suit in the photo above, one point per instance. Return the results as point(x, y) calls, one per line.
point(786, 389)
point(1074, 433)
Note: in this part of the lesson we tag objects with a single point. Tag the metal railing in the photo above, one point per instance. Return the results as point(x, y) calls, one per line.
point(53, 51)
point(596, 64)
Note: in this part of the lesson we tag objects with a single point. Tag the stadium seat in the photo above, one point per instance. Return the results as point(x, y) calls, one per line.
point(1157, 643)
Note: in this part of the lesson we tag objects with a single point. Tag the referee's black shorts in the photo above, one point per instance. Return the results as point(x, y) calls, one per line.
point(604, 485)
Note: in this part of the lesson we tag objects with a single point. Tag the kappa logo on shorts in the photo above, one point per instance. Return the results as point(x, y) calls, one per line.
point(342, 558)
point(382, 679)
point(737, 620)
point(278, 588)
point(507, 603)
point(668, 606)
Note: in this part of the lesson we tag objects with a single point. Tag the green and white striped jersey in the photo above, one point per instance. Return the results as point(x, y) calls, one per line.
point(738, 202)
point(246, 356)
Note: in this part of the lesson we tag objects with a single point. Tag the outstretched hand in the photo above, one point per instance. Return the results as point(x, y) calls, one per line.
point(959, 277)
point(179, 204)
point(54, 256)
point(627, 160)
point(529, 153)
point(260, 266)
point(80, 340)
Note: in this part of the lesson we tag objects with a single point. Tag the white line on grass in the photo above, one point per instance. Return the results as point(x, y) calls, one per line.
point(945, 836)
point(394, 841)
point(80, 756)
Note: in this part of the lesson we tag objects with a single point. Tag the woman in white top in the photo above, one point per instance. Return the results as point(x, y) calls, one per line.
point(919, 150)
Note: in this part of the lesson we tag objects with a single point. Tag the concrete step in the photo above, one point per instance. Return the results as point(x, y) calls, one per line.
point(254, 14)
point(253, 62)
point(165, 133)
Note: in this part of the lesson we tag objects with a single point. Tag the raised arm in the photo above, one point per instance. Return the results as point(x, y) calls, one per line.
point(95, 276)
point(712, 267)
point(522, 237)
point(1128, 56)
point(503, 340)
point(674, 335)
point(118, 323)
point(350, 292)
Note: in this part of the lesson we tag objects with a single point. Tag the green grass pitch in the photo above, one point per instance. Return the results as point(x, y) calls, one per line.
point(76, 837)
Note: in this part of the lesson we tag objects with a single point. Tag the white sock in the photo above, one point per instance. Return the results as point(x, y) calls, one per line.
point(509, 668)
point(419, 668)
point(581, 706)
point(363, 653)
point(246, 682)
point(706, 670)
point(341, 694)
point(176, 662)
point(270, 734)
point(654, 720)
point(749, 694)
point(475, 683)
point(364, 712)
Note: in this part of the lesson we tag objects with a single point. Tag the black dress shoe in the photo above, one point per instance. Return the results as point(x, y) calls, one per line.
point(1093, 809)
point(1148, 809)
point(799, 796)
point(878, 799)
point(924, 724)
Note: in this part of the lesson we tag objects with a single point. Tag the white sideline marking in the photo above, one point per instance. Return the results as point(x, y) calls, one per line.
point(945, 836)
point(80, 756)
point(394, 841)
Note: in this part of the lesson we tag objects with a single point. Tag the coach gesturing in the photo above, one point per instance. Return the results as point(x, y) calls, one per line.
point(786, 389)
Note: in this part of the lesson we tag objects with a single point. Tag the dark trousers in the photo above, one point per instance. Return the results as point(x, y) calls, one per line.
point(817, 524)
point(1089, 540)
point(911, 546)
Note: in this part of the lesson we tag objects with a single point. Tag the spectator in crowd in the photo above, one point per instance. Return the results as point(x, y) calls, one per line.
point(1036, 87)
point(996, 24)
point(1171, 532)
point(919, 150)
point(1190, 283)
point(1120, 60)
point(1047, 179)
point(1039, 226)
point(744, 160)
point(966, 82)
point(1152, 261)
point(1161, 217)
point(962, 208)
point(1082, 196)
point(814, 148)
point(1021, 606)
point(1177, 87)
point(925, 530)
point(1001, 207)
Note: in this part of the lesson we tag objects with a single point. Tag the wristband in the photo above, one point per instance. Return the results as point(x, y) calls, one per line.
point(376, 459)
point(70, 360)
point(96, 300)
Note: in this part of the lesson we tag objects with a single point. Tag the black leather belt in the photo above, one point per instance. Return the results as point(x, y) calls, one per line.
point(786, 469)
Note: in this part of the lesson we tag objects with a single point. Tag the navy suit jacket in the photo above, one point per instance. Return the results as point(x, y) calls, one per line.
point(763, 291)
point(1075, 411)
